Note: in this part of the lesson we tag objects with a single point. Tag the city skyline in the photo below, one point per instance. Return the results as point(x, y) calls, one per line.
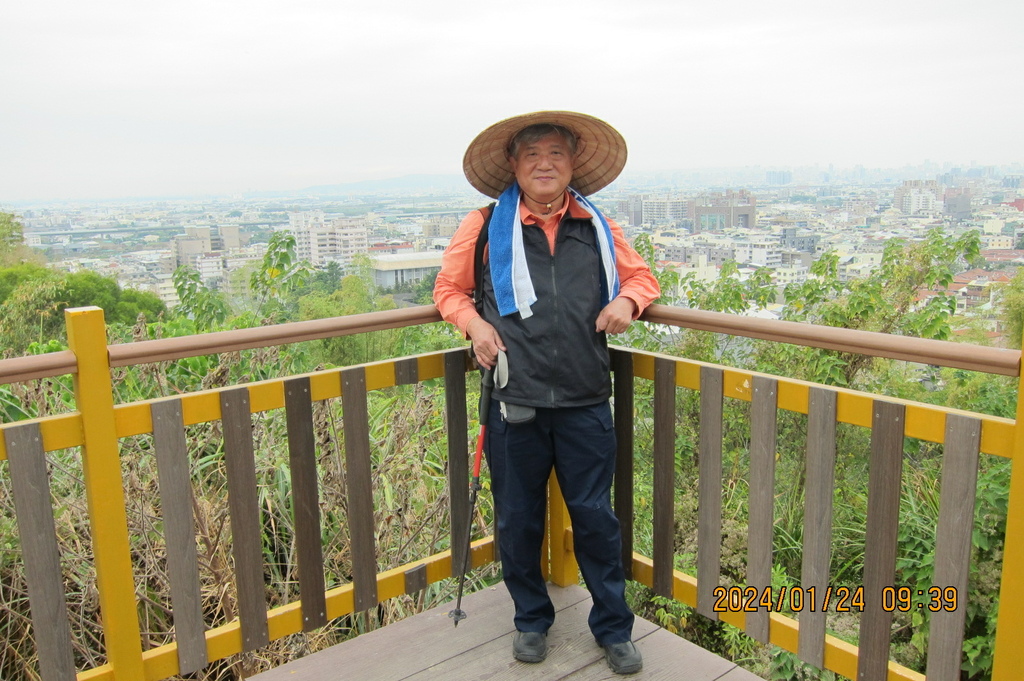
point(117, 99)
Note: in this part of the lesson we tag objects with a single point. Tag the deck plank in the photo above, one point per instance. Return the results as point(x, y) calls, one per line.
point(427, 646)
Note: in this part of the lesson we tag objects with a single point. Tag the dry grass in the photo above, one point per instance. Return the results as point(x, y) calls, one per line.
point(411, 517)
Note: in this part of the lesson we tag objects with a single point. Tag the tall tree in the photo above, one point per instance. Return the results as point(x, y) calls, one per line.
point(15, 275)
point(33, 299)
point(31, 313)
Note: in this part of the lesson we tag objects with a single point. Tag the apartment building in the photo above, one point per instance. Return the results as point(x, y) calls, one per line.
point(762, 253)
point(717, 211)
point(199, 240)
point(918, 196)
point(799, 239)
point(194, 242)
point(795, 274)
point(664, 210)
point(441, 226)
point(648, 209)
point(320, 240)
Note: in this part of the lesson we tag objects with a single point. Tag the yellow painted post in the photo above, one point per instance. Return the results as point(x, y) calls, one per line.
point(101, 463)
point(1009, 652)
point(562, 568)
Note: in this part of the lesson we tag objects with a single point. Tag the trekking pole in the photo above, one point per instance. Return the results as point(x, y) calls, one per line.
point(486, 383)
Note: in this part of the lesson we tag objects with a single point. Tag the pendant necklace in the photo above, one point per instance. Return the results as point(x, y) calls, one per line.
point(547, 206)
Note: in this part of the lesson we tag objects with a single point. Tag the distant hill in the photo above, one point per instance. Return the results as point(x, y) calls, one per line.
point(408, 184)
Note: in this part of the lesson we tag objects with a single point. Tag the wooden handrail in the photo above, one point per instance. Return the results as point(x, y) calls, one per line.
point(941, 353)
point(144, 352)
point(29, 367)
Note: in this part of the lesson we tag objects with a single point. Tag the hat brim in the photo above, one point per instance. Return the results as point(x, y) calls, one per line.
point(600, 152)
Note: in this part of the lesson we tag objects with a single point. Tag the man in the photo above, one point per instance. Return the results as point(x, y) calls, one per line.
point(558, 277)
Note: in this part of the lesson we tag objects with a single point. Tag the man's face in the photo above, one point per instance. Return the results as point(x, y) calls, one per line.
point(543, 169)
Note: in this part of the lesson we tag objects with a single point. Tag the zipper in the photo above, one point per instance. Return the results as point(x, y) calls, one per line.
point(558, 315)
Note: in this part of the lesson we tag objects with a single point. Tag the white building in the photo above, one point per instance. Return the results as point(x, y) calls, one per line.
point(164, 289)
point(919, 202)
point(918, 196)
point(320, 241)
point(658, 210)
point(797, 274)
point(211, 268)
point(394, 270)
point(760, 253)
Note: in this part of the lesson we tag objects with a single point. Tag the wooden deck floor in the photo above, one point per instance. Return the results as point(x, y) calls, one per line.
point(427, 647)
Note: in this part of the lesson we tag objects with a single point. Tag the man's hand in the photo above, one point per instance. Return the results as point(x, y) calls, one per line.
point(486, 342)
point(616, 315)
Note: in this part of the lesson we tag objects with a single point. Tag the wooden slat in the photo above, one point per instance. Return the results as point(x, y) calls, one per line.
point(622, 366)
point(664, 473)
point(305, 502)
point(416, 579)
point(243, 504)
point(407, 371)
point(175, 485)
point(820, 485)
point(709, 511)
point(38, 535)
point(359, 488)
point(884, 479)
point(763, 429)
point(953, 544)
point(458, 455)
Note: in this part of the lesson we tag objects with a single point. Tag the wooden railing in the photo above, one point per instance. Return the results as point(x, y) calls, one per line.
point(98, 426)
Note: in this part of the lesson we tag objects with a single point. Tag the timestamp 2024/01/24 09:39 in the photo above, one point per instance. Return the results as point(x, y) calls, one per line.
point(835, 598)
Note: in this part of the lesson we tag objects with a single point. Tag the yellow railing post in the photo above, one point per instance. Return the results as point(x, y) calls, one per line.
point(108, 518)
point(1009, 650)
point(562, 568)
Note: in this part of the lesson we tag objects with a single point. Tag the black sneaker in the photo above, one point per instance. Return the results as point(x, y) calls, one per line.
point(530, 646)
point(623, 658)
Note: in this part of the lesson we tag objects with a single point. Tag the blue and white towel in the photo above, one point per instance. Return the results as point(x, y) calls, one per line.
point(513, 288)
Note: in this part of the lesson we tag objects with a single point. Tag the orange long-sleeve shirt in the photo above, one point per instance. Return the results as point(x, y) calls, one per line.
point(453, 290)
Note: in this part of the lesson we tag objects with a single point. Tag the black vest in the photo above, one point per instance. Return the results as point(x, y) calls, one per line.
point(555, 357)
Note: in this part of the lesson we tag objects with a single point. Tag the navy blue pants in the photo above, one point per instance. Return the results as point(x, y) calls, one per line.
point(579, 442)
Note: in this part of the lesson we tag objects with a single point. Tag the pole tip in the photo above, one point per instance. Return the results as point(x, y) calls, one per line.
point(458, 615)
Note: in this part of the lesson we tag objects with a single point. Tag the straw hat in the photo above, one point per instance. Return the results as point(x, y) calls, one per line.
point(600, 152)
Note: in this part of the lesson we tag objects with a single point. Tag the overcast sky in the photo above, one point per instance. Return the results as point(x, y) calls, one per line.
point(131, 98)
